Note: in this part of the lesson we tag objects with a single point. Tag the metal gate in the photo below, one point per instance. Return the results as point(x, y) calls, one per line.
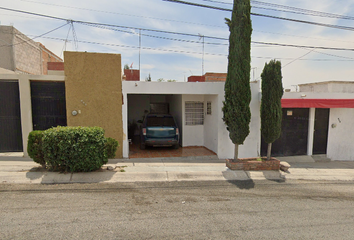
point(10, 117)
point(48, 104)
point(293, 138)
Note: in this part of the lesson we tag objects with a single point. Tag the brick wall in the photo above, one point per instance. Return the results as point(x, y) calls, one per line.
point(47, 57)
point(55, 66)
point(215, 77)
point(27, 54)
point(209, 77)
point(196, 78)
point(132, 75)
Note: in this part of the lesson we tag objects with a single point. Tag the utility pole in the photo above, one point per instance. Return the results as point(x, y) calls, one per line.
point(139, 50)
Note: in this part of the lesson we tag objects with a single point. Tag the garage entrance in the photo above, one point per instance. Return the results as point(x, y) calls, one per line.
point(139, 105)
point(10, 117)
point(48, 104)
point(294, 134)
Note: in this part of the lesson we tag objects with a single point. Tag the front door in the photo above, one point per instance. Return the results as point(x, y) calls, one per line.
point(320, 135)
point(48, 104)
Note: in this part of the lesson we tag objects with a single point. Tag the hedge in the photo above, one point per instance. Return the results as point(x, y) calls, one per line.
point(111, 147)
point(74, 149)
point(34, 147)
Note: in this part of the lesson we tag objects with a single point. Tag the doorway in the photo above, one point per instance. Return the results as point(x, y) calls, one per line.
point(10, 117)
point(293, 138)
point(320, 135)
point(48, 104)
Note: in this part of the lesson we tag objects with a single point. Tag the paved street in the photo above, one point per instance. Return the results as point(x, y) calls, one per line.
point(179, 210)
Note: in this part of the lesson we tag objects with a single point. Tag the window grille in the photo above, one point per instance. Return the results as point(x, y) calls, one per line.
point(194, 113)
point(208, 108)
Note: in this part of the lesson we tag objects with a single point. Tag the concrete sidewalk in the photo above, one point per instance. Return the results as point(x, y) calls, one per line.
point(24, 170)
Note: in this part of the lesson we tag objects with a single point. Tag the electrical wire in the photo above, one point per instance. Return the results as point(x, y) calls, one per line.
point(123, 14)
point(34, 37)
point(295, 10)
point(264, 15)
point(176, 33)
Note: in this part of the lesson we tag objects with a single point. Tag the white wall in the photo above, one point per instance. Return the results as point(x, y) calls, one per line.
point(210, 123)
point(175, 103)
point(340, 138)
point(252, 144)
point(332, 86)
point(192, 135)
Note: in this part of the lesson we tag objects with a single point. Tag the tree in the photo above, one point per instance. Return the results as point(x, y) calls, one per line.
point(148, 79)
point(271, 112)
point(171, 80)
point(237, 113)
point(160, 80)
point(126, 66)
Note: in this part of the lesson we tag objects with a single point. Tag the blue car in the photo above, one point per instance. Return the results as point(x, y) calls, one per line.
point(159, 130)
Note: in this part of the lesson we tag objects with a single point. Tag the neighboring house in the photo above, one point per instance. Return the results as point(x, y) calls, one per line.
point(95, 95)
point(318, 120)
point(22, 55)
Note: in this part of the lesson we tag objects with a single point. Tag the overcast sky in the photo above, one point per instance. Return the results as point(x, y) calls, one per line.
point(175, 56)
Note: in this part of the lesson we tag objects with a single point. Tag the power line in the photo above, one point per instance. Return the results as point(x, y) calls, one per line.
point(176, 33)
point(302, 10)
point(264, 15)
point(189, 52)
point(295, 10)
point(124, 14)
point(35, 37)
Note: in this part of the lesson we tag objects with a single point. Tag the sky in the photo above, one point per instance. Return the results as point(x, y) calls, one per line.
point(178, 56)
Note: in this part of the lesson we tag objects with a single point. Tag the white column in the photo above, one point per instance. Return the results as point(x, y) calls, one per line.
point(125, 126)
point(26, 109)
point(311, 130)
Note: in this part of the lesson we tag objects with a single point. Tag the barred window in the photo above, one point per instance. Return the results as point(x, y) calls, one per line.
point(194, 113)
point(208, 108)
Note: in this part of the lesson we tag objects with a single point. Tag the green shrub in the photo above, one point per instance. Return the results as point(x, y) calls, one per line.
point(34, 147)
point(74, 149)
point(111, 147)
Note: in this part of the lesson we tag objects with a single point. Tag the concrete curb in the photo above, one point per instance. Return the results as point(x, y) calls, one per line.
point(26, 171)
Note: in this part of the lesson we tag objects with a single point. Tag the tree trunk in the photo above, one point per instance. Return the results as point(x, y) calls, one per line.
point(236, 153)
point(269, 151)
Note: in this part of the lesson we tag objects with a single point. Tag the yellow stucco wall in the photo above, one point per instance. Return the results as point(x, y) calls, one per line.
point(93, 87)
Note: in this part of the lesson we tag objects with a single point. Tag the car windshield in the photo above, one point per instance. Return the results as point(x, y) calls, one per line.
point(157, 121)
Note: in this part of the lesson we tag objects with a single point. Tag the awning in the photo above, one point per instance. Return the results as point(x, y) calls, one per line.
point(317, 103)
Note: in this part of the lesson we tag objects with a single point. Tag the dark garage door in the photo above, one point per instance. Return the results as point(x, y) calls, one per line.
point(293, 138)
point(48, 104)
point(10, 117)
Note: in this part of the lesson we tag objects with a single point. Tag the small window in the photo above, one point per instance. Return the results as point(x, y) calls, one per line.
point(194, 112)
point(208, 108)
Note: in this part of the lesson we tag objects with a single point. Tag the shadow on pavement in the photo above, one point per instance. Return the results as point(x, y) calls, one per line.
point(240, 179)
point(36, 173)
point(243, 184)
point(275, 176)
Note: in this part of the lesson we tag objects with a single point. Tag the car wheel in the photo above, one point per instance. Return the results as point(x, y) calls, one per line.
point(142, 146)
point(176, 146)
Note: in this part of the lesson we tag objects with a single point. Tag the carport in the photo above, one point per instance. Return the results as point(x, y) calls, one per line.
point(195, 107)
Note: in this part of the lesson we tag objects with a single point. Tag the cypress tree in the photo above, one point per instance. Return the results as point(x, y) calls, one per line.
point(271, 111)
point(237, 113)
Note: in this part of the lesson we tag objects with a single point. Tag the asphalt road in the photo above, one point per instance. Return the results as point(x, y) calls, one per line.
point(186, 210)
